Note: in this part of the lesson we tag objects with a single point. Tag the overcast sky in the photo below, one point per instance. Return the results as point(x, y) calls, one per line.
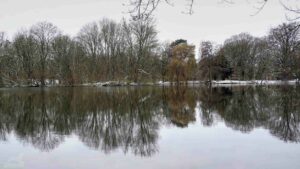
point(212, 19)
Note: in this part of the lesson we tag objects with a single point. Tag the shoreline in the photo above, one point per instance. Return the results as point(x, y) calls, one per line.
point(215, 83)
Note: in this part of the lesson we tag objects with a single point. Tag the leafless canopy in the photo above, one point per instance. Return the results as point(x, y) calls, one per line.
point(143, 9)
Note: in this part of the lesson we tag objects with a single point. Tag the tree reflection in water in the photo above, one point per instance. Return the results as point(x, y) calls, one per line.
point(108, 119)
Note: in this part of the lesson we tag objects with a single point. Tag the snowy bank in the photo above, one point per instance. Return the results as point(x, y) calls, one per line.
point(196, 83)
point(116, 83)
point(221, 83)
point(255, 82)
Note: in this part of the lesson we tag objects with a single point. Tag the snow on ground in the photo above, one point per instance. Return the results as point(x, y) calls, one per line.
point(255, 82)
point(224, 83)
point(236, 82)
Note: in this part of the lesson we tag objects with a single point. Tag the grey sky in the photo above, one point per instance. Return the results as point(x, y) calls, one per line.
point(212, 19)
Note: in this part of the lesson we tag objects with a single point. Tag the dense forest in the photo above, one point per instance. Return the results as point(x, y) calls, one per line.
point(129, 51)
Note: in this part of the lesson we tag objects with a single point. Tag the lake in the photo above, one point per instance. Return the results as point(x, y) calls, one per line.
point(150, 128)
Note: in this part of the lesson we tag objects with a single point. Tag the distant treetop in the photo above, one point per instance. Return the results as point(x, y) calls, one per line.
point(178, 41)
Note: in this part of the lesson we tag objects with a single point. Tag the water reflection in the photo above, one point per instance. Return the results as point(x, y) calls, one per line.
point(130, 118)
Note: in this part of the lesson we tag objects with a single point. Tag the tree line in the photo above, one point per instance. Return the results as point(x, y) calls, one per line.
point(130, 51)
point(245, 57)
point(104, 50)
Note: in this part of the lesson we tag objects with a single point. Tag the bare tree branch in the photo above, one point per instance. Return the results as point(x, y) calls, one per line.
point(261, 7)
point(143, 9)
point(295, 10)
point(190, 5)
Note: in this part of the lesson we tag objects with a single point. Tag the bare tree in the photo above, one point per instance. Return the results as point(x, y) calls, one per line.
point(264, 62)
point(164, 53)
point(141, 39)
point(2, 41)
point(285, 41)
point(64, 51)
point(8, 62)
point(2, 38)
point(43, 33)
point(240, 51)
point(206, 51)
point(111, 42)
point(90, 39)
point(25, 48)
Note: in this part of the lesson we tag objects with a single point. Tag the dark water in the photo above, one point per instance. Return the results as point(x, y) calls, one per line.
point(150, 128)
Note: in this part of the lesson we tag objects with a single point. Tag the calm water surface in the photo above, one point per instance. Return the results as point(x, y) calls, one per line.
point(150, 128)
